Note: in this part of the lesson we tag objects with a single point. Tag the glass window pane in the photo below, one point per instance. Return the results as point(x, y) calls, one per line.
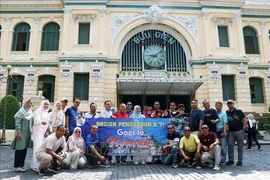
point(84, 33)
point(223, 36)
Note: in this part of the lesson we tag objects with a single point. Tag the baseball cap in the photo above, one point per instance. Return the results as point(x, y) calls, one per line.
point(64, 99)
point(230, 101)
point(181, 105)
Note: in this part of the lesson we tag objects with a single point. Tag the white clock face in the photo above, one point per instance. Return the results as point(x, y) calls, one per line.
point(154, 56)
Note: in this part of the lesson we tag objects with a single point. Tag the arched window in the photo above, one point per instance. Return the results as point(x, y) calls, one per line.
point(256, 90)
point(250, 40)
point(21, 37)
point(16, 87)
point(46, 84)
point(50, 37)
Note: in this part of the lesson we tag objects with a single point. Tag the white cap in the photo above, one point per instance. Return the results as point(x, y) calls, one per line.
point(64, 99)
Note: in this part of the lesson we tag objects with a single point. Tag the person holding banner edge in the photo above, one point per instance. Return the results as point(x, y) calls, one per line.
point(95, 150)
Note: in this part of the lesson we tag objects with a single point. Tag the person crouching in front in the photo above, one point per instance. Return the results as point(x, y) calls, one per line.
point(95, 150)
point(190, 147)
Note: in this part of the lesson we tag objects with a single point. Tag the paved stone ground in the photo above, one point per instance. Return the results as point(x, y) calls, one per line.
point(256, 167)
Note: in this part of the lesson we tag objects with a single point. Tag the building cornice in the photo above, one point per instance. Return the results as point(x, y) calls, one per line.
point(33, 64)
point(106, 61)
point(33, 12)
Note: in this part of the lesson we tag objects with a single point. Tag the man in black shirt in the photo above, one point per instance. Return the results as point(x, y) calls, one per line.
point(172, 146)
point(237, 123)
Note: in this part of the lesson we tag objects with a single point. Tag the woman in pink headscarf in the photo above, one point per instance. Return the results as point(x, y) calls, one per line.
point(76, 148)
point(40, 126)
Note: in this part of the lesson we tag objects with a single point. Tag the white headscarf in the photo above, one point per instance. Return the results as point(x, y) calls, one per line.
point(79, 142)
point(57, 113)
point(251, 120)
point(41, 107)
point(135, 114)
point(24, 112)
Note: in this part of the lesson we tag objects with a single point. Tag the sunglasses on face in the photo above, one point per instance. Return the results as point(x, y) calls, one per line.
point(187, 130)
point(79, 132)
point(77, 102)
point(129, 104)
point(94, 128)
point(169, 128)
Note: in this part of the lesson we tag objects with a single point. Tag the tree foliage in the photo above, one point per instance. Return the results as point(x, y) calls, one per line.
point(12, 107)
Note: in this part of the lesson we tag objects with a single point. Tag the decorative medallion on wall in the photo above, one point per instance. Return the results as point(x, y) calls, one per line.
point(242, 72)
point(31, 74)
point(96, 71)
point(47, 56)
point(267, 76)
point(154, 14)
point(65, 70)
point(214, 72)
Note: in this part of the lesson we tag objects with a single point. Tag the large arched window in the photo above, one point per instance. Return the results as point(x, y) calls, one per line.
point(16, 87)
point(256, 90)
point(50, 37)
point(46, 84)
point(153, 50)
point(21, 37)
point(250, 40)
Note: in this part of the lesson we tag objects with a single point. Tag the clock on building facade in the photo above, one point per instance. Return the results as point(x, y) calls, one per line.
point(154, 56)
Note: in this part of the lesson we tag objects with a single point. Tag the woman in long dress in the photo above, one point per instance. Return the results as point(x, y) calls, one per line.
point(40, 126)
point(57, 116)
point(22, 139)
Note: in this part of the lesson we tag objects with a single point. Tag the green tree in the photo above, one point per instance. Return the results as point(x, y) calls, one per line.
point(12, 108)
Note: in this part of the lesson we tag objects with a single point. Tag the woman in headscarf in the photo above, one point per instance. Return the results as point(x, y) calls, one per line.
point(76, 150)
point(137, 112)
point(57, 116)
point(40, 126)
point(22, 138)
point(148, 110)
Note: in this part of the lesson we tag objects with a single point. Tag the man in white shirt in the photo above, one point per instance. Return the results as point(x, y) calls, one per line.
point(92, 113)
point(49, 149)
point(107, 113)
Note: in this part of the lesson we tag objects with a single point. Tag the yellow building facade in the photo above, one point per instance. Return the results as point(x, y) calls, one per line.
point(138, 51)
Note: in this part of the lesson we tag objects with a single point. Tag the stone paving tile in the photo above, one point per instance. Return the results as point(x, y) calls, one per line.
point(256, 166)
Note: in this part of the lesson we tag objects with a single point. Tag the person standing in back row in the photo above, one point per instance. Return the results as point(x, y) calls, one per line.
point(237, 123)
point(73, 114)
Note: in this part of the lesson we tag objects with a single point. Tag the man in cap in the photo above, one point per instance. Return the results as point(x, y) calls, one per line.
point(64, 102)
point(237, 123)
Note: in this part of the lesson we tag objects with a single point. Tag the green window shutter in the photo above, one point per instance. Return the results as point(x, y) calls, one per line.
point(50, 37)
point(251, 41)
point(223, 36)
point(48, 86)
point(84, 33)
point(21, 37)
point(81, 86)
point(256, 90)
point(16, 88)
point(228, 89)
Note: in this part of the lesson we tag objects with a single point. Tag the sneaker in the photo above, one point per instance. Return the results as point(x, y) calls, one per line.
point(136, 162)
point(143, 162)
point(210, 165)
point(41, 171)
point(174, 165)
point(118, 163)
point(259, 149)
point(90, 166)
point(190, 164)
point(216, 168)
point(20, 169)
point(53, 170)
point(239, 163)
point(104, 164)
point(229, 163)
point(124, 161)
point(199, 167)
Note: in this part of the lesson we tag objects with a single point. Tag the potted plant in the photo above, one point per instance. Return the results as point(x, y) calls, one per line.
point(266, 126)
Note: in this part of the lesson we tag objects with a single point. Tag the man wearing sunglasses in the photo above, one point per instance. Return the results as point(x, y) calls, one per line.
point(96, 150)
point(210, 147)
point(173, 139)
point(190, 147)
point(237, 123)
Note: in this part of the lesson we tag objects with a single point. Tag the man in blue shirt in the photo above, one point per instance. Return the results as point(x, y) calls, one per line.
point(72, 115)
point(222, 131)
point(195, 118)
point(210, 116)
point(96, 151)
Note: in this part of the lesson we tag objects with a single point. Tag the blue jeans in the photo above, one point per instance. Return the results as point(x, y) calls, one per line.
point(224, 148)
point(173, 157)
